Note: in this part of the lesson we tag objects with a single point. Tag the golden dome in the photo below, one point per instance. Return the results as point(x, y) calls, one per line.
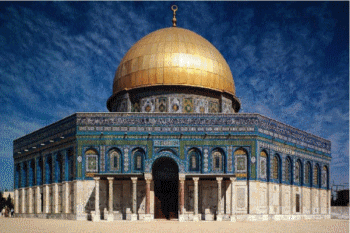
point(173, 56)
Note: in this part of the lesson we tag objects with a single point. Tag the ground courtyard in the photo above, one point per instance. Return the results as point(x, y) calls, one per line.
point(46, 225)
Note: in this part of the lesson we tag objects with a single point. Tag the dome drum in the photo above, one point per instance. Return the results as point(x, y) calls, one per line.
point(173, 99)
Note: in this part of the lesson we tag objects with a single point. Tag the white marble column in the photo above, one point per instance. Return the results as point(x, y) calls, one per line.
point(30, 197)
point(37, 200)
point(134, 199)
point(23, 201)
point(195, 217)
point(46, 198)
point(219, 212)
point(110, 215)
point(16, 201)
point(96, 214)
point(182, 197)
point(148, 178)
point(55, 198)
point(233, 199)
point(66, 197)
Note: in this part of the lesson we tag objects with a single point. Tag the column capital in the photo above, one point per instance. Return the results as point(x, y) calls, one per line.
point(96, 178)
point(195, 179)
point(182, 176)
point(148, 176)
point(134, 179)
point(110, 179)
point(219, 179)
point(233, 179)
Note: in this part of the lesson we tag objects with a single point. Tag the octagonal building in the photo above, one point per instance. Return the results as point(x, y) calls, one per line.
point(174, 146)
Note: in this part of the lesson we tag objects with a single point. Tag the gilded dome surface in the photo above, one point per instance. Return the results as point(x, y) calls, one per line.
point(173, 56)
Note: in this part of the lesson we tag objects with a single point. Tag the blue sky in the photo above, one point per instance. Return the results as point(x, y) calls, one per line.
point(289, 60)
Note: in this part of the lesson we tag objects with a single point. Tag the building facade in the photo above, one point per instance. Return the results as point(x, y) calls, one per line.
point(172, 146)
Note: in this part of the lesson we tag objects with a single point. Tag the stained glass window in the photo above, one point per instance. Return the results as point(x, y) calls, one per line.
point(324, 177)
point(275, 168)
point(240, 160)
point(307, 173)
point(193, 160)
point(138, 160)
point(115, 160)
point(263, 167)
point(288, 170)
point(297, 172)
point(217, 160)
point(315, 178)
point(91, 161)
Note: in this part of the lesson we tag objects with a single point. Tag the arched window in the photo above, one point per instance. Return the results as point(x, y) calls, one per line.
point(275, 168)
point(217, 160)
point(91, 160)
point(138, 159)
point(297, 176)
point(316, 180)
point(307, 173)
point(288, 170)
point(240, 156)
point(324, 177)
point(263, 164)
point(193, 156)
point(114, 158)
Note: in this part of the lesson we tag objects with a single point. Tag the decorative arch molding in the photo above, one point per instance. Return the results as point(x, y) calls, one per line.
point(168, 154)
point(170, 150)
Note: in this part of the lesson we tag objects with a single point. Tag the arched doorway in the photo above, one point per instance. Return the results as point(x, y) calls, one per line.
point(166, 181)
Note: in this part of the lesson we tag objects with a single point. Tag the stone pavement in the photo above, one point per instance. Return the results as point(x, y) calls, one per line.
point(44, 225)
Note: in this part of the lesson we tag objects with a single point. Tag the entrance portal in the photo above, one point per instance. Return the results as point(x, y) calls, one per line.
point(166, 181)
